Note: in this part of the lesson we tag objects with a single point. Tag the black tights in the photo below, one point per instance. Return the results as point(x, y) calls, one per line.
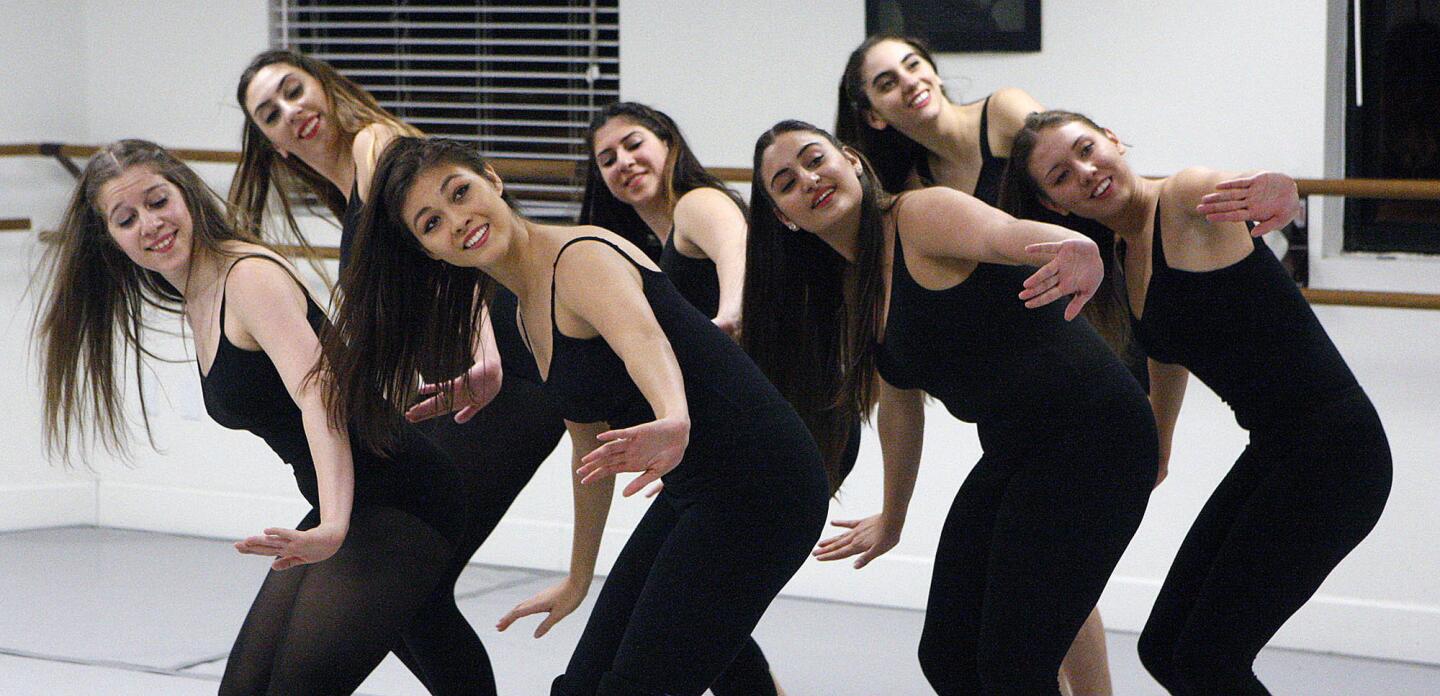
point(497, 453)
point(684, 595)
point(321, 628)
point(1296, 502)
point(1026, 550)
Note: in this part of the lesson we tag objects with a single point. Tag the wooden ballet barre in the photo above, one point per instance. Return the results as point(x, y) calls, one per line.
point(1361, 298)
point(1409, 189)
point(14, 224)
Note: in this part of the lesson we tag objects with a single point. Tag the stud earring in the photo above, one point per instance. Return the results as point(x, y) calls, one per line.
point(792, 226)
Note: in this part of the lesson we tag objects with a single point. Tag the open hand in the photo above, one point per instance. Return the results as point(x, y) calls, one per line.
point(1270, 199)
point(291, 547)
point(1074, 270)
point(869, 538)
point(556, 602)
point(652, 448)
point(465, 395)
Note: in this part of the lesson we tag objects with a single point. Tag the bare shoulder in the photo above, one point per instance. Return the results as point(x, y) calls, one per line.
point(1186, 187)
point(705, 201)
point(1009, 107)
point(261, 289)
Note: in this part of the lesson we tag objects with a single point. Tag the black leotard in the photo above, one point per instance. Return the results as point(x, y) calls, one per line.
point(323, 627)
point(1308, 488)
point(243, 391)
point(696, 279)
point(737, 517)
point(497, 452)
point(992, 168)
point(1042, 519)
point(1247, 333)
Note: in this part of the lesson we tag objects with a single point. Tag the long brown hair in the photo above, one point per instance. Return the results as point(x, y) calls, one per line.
point(683, 174)
point(402, 314)
point(893, 154)
point(1021, 196)
point(811, 318)
point(262, 168)
point(94, 292)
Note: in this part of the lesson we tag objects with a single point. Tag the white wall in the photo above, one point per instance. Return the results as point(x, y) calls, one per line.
point(1233, 85)
point(44, 100)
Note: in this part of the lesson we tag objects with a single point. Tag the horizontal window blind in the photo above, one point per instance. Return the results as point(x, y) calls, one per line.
point(520, 77)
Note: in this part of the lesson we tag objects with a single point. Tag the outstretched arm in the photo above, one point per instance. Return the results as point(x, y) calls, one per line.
point(271, 310)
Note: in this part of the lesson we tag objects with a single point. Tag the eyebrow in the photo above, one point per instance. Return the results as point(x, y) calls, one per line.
point(271, 98)
point(1072, 147)
point(622, 140)
point(883, 73)
point(798, 154)
point(147, 192)
point(415, 221)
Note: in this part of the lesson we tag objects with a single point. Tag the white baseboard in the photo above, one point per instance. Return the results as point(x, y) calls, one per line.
point(47, 505)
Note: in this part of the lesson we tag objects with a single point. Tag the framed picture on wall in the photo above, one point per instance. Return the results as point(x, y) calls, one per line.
point(960, 26)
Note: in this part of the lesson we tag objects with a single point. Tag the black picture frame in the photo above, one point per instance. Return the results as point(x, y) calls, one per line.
point(960, 26)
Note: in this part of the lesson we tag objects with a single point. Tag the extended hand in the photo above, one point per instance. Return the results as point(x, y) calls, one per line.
point(556, 602)
point(1268, 198)
point(652, 448)
point(869, 537)
point(1074, 270)
point(466, 394)
point(292, 548)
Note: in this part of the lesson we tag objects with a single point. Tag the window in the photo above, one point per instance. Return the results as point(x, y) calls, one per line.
point(520, 77)
point(1392, 121)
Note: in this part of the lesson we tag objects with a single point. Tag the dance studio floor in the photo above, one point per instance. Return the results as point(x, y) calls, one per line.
point(121, 613)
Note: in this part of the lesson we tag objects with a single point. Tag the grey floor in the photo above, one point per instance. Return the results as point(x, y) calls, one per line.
point(120, 613)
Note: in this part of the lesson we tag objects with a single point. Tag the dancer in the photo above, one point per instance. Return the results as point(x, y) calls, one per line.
point(646, 383)
point(143, 231)
point(894, 110)
point(1208, 297)
point(310, 128)
point(926, 292)
point(645, 184)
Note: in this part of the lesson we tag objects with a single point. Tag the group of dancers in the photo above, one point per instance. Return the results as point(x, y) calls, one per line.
point(728, 354)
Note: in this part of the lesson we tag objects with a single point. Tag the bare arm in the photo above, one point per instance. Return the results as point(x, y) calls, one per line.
point(1270, 199)
point(1167, 392)
point(901, 422)
point(945, 225)
point(592, 508)
point(271, 309)
point(602, 292)
point(369, 143)
point(708, 219)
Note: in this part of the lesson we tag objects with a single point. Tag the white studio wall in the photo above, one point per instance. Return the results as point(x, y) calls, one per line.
point(1229, 84)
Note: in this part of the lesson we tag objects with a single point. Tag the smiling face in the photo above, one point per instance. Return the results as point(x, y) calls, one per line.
point(148, 220)
point(290, 107)
point(1080, 170)
point(901, 85)
point(631, 159)
point(814, 184)
point(458, 215)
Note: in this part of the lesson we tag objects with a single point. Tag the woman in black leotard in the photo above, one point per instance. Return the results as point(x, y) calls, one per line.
point(926, 292)
point(142, 229)
point(1205, 297)
point(310, 127)
point(894, 110)
point(646, 383)
point(646, 185)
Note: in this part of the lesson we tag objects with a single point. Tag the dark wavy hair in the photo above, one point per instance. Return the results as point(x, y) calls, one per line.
point(403, 316)
point(683, 174)
point(262, 168)
point(811, 318)
point(893, 154)
point(93, 316)
point(1021, 196)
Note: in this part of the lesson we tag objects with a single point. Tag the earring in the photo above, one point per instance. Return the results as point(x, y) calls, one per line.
point(792, 227)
